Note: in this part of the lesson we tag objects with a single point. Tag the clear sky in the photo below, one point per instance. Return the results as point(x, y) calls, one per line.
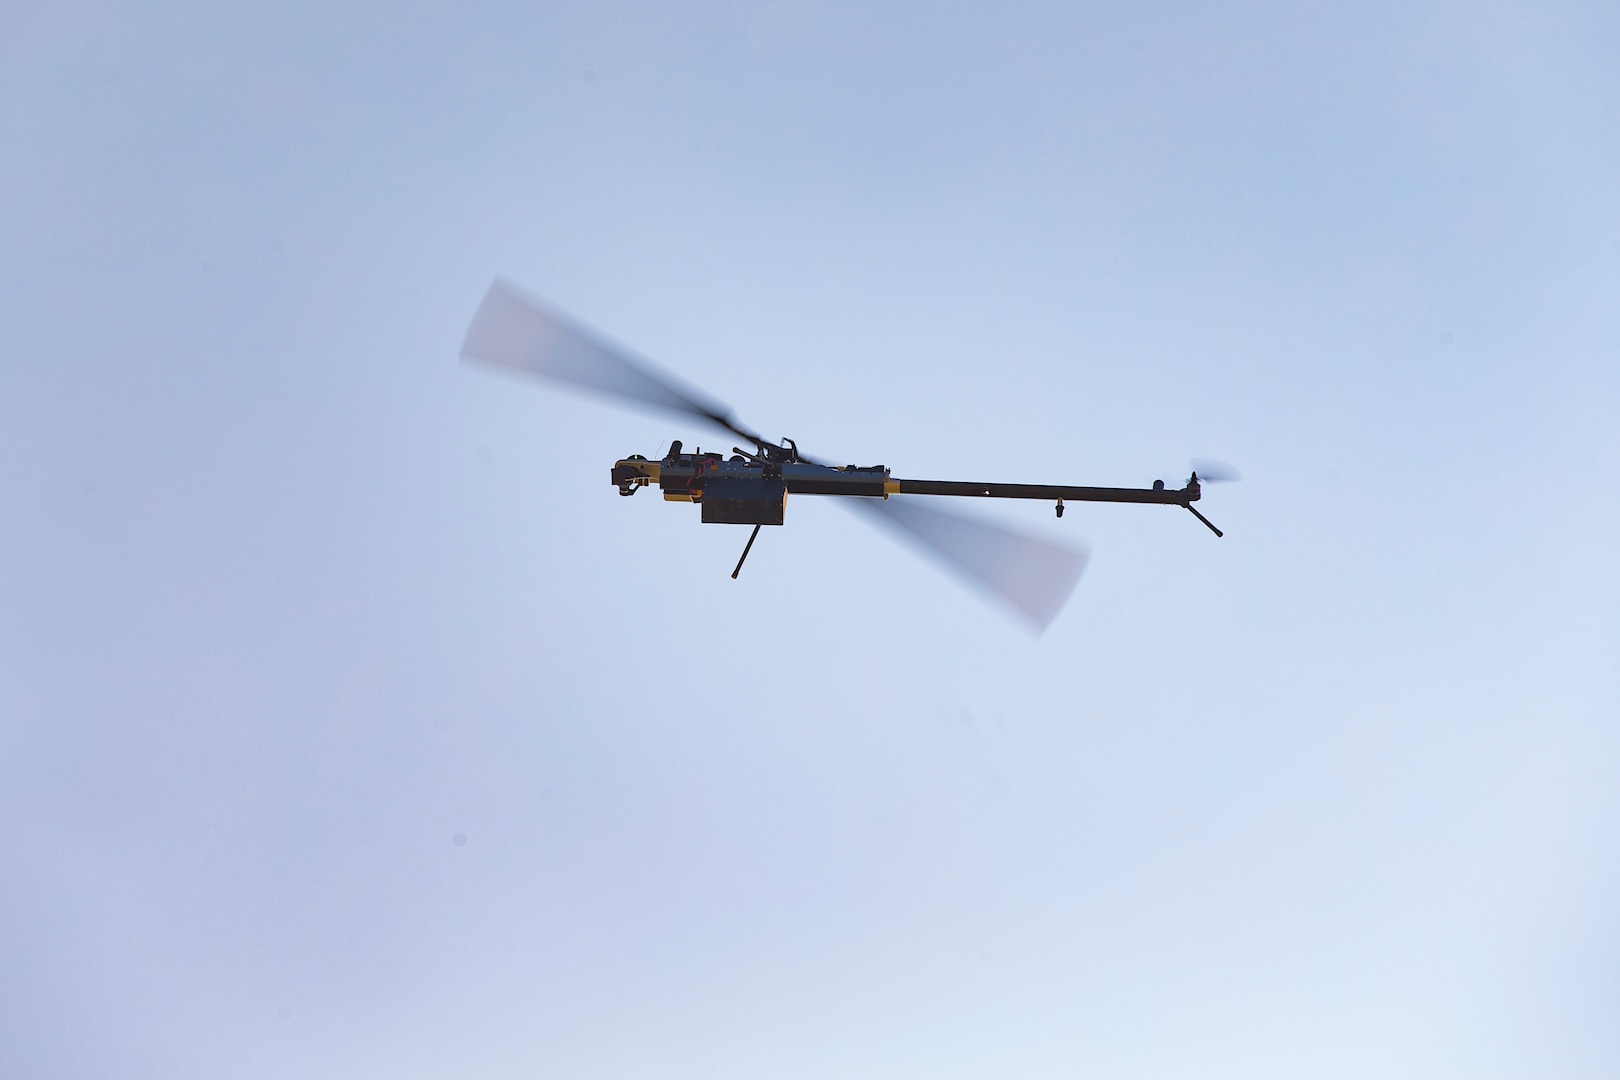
point(352, 725)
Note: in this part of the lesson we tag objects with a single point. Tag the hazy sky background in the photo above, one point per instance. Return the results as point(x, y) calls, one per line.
point(291, 598)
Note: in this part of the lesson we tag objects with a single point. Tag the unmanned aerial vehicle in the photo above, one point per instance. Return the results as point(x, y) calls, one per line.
point(750, 485)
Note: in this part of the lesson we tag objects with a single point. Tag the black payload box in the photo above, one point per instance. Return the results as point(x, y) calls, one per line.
point(744, 501)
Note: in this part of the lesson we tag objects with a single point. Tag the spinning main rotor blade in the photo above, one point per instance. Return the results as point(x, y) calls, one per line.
point(1031, 576)
point(515, 331)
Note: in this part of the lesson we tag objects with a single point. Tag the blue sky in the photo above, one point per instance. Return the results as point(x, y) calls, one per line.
point(290, 597)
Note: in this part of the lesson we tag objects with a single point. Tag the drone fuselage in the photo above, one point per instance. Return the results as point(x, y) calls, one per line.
point(752, 489)
point(745, 489)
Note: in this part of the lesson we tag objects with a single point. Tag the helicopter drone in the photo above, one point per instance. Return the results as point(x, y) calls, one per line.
point(751, 486)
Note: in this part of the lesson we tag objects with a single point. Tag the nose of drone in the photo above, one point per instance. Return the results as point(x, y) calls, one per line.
point(634, 472)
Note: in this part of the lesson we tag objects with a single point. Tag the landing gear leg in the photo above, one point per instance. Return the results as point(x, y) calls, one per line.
point(746, 550)
point(1195, 514)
